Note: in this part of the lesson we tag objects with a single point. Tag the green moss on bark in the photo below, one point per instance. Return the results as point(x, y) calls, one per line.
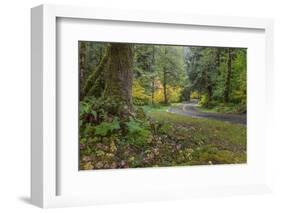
point(95, 84)
point(119, 75)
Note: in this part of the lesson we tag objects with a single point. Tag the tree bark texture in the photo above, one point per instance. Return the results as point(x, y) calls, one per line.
point(82, 56)
point(119, 75)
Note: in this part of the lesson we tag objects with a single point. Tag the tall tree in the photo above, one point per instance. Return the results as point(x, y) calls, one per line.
point(144, 68)
point(203, 71)
point(119, 75)
point(228, 76)
point(165, 76)
point(152, 71)
point(170, 67)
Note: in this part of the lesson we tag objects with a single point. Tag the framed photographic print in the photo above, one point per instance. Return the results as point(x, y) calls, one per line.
point(130, 106)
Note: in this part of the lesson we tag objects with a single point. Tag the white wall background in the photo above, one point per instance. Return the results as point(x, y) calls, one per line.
point(15, 104)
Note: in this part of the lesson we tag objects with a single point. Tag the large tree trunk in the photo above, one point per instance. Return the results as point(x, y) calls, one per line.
point(119, 75)
point(228, 76)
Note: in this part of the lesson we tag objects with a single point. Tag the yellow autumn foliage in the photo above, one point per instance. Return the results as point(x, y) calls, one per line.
point(140, 97)
point(173, 94)
point(138, 94)
point(195, 95)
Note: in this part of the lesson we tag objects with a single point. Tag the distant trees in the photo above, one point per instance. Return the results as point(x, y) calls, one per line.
point(239, 77)
point(203, 70)
point(170, 68)
point(228, 75)
point(151, 74)
point(144, 71)
point(158, 68)
point(215, 73)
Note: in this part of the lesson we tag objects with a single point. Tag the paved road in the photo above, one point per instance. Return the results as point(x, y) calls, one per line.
point(189, 109)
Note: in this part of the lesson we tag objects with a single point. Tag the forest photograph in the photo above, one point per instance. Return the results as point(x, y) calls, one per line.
point(154, 105)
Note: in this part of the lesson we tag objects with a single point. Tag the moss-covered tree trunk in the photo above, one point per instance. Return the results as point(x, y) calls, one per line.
point(82, 56)
point(94, 86)
point(119, 75)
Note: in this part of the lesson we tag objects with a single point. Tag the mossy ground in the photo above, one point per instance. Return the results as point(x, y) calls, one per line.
point(213, 142)
point(164, 139)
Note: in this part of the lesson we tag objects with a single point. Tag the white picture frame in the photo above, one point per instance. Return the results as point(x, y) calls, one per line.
point(44, 153)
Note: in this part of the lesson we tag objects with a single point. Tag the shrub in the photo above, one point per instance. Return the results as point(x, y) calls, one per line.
point(107, 127)
point(139, 96)
point(195, 95)
point(204, 101)
point(138, 132)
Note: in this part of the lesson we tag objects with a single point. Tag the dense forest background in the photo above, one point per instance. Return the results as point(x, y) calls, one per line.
point(168, 74)
point(127, 89)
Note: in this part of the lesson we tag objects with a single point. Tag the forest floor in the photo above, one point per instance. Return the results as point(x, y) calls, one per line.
point(192, 109)
point(213, 141)
point(164, 139)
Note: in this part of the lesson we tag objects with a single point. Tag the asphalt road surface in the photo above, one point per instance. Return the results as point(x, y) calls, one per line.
point(189, 109)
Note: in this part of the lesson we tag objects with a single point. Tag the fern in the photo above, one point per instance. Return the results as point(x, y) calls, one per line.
point(106, 127)
point(138, 134)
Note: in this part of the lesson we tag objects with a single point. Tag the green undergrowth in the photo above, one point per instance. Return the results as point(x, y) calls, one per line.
point(152, 137)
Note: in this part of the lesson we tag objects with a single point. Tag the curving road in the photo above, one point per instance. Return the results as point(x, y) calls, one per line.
point(189, 109)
